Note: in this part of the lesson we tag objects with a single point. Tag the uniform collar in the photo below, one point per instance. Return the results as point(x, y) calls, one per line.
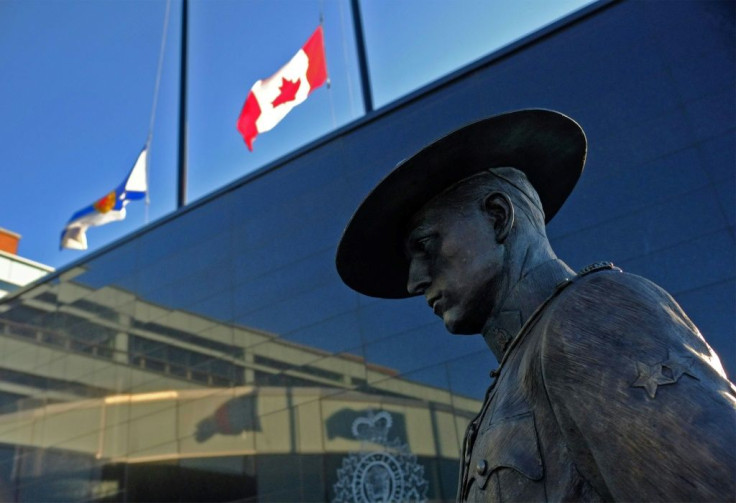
point(528, 294)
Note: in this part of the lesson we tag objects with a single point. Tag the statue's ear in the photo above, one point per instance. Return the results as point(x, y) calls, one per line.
point(500, 210)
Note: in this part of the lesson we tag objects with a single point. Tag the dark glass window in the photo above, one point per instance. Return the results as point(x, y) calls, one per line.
point(183, 363)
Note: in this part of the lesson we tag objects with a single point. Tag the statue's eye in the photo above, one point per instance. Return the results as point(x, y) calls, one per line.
point(422, 244)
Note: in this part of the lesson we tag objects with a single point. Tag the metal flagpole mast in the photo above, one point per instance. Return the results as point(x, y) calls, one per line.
point(182, 180)
point(329, 83)
point(156, 89)
point(365, 82)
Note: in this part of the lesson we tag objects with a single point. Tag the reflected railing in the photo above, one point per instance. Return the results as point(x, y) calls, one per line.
point(55, 338)
point(58, 339)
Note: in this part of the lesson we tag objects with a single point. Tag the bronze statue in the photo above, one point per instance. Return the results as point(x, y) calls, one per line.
point(605, 390)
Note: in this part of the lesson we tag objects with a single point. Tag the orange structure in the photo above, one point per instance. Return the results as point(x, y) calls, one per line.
point(9, 241)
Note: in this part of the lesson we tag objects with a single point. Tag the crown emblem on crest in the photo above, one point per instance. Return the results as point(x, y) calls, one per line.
point(373, 427)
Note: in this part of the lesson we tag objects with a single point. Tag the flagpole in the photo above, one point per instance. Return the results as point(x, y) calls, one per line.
point(182, 185)
point(365, 82)
point(154, 105)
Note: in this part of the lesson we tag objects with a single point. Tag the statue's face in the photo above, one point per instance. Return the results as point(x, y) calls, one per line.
point(456, 263)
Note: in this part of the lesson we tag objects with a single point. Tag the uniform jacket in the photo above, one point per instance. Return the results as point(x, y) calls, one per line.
point(607, 393)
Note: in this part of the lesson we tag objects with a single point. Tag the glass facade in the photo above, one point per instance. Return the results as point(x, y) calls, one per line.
point(216, 355)
point(114, 395)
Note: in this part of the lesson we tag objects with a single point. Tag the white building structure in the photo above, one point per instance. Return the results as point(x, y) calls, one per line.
point(16, 271)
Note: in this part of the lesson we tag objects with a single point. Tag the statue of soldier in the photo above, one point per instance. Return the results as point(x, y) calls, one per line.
point(605, 389)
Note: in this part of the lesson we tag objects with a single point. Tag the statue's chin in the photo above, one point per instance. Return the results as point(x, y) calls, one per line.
point(457, 327)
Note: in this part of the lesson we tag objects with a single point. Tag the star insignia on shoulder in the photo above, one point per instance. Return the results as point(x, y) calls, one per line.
point(650, 377)
point(679, 365)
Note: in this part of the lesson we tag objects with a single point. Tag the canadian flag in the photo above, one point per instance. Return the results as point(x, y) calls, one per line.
point(269, 100)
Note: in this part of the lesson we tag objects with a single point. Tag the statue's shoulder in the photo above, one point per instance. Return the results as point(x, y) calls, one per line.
point(595, 282)
point(612, 324)
point(602, 300)
point(630, 378)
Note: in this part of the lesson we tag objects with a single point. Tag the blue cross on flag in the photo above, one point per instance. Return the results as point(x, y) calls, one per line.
point(109, 208)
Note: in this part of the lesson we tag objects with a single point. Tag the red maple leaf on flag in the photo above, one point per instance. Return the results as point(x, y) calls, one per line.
point(288, 91)
point(272, 98)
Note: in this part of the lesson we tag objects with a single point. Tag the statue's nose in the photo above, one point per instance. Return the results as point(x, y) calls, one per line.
point(419, 279)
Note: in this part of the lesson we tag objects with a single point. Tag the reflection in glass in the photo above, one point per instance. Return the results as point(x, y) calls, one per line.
point(104, 392)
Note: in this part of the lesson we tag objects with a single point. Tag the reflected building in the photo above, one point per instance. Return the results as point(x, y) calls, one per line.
point(100, 401)
point(215, 355)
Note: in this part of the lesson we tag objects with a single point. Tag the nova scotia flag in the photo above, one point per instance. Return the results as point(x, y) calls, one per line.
point(109, 208)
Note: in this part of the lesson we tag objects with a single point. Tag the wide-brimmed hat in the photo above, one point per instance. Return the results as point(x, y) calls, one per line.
point(547, 146)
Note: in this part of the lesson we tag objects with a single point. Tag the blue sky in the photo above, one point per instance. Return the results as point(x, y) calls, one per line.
point(78, 80)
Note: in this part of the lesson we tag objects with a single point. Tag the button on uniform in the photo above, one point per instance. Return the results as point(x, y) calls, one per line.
point(481, 467)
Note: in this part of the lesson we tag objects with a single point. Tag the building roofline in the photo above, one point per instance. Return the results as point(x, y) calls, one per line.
point(6, 231)
point(23, 260)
